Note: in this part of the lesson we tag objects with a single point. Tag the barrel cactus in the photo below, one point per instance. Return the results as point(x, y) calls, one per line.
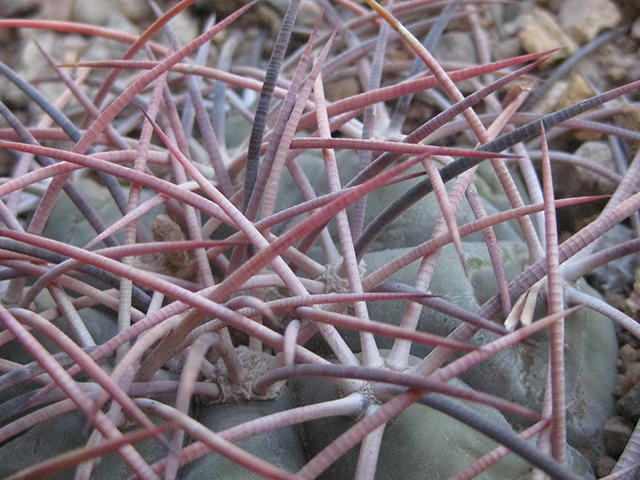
point(245, 279)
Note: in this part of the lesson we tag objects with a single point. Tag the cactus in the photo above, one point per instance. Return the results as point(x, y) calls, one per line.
point(301, 288)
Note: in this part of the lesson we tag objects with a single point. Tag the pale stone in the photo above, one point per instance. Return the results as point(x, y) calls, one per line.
point(630, 117)
point(95, 13)
point(456, 47)
point(308, 13)
point(635, 29)
point(584, 19)
point(627, 380)
point(186, 28)
point(604, 466)
point(98, 13)
point(33, 66)
point(628, 355)
point(342, 88)
point(56, 9)
point(629, 405)
point(552, 98)
point(577, 90)
point(16, 8)
point(615, 277)
point(588, 182)
point(617, 432)
point(543, 33)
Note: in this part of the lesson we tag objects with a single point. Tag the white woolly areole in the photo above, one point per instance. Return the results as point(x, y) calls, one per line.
point(336, 283)
point(255, 365)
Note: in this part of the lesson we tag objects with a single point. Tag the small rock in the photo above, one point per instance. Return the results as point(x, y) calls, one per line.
point(18, 8)
point(71, 48)
point(629, 405)
point(617, 432)
point(186, 28)
point(343, 88)
point(591, 182)
point(633, 304)
point(564, 94)
point(614, 279)
point(95, 13)
point(7, 162)
point(56, 9)
point(604, 465)
point(584, 19)
point(633, 301)
point(577, 90)
point(628, 380)
point(542, 33)
point(630, 117)
point(635, 29)
point(98, 13)
point(587, 135)
point(98, 49)
point(505, 48)
point(552, 98)
point(456, 47)
point(308, 13)
point(619, 64)
point(628, 355)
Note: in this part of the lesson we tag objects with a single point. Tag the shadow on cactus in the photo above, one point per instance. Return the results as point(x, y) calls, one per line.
point(224, 273)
